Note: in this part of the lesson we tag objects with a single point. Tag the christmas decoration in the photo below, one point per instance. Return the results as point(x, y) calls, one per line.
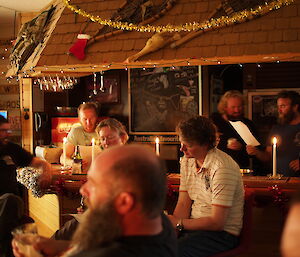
point(279, 198)
point(77, 49)
point(237, 17)
point(29, 177)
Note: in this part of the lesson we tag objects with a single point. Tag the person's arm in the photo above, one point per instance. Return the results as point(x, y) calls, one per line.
point(264, 156)
point(46, 176)
point(215, 222)
point(70, 148)
point(48, 247)
point(182, 213)
point(183, 206)
point(291, 233)
point(182, 209)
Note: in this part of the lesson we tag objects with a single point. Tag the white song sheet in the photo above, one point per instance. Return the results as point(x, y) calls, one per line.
point(244, 132)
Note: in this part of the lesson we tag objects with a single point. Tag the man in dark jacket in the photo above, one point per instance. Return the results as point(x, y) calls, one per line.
point(231, 108)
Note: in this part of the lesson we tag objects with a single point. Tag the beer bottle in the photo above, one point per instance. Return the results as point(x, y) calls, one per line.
point(77, 161)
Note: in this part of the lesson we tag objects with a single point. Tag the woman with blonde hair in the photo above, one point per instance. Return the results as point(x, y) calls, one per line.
point(111, 132)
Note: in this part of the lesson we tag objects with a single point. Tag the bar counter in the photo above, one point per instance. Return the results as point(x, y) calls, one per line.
point(62, 198)
point(257, 183)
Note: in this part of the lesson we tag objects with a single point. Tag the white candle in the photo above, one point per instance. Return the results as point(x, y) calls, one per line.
point(93, 150)
point(274, 156)
point(65, 151)
point(157, 146)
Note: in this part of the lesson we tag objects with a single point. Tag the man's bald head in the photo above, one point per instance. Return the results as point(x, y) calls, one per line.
point(136, 169)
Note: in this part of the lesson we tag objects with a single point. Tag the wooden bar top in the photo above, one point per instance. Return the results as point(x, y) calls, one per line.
point(254, 181)
point(75, 181)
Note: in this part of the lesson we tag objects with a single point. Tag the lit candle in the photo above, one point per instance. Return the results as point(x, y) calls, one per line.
point(157, 146)
point(65, 151)
point(93, 149)
point(274, 156)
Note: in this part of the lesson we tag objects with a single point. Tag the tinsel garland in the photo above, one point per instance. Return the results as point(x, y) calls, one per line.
point(279, 198)
point(237, 17)
point(29, 177)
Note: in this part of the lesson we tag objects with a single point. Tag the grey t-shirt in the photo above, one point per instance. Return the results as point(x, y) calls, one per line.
point(78, 136)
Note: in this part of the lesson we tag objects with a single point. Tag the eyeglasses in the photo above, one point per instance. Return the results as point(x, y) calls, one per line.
point(109, 138)
point(283, 105)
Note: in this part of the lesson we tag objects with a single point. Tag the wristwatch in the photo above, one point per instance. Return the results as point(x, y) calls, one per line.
point(179, 226)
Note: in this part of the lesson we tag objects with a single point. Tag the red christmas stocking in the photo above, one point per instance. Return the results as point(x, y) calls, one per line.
point(77, 49)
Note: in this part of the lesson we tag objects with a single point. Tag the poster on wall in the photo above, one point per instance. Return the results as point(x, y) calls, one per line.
point(161, 97)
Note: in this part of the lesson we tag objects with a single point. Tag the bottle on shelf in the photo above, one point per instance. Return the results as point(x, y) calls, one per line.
point(77, 162)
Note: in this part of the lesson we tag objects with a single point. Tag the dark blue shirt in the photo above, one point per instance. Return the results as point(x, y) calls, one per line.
point(288, 147)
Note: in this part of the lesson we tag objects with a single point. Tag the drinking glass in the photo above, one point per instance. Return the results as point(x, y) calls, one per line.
point(25, 236)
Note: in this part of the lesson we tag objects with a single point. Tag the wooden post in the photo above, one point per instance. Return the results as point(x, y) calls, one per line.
point(26, 113)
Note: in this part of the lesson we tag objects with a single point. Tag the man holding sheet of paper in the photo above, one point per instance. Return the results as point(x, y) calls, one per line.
point(236, 132)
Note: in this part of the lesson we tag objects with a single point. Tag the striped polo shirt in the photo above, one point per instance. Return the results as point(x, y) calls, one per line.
point(218, 182)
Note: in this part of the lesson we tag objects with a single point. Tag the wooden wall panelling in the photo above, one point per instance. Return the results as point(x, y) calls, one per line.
point(26, 107)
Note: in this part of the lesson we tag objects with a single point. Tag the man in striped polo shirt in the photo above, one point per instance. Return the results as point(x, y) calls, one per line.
point(209, 211)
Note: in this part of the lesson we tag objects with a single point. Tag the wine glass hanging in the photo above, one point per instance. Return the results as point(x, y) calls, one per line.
point(55, 83)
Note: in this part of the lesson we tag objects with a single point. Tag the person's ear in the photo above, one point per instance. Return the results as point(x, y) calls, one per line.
point(124, 203)
point(123, 139)
point(295, 107)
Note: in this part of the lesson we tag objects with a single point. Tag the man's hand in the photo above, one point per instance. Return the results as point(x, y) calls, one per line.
point(294, 165)
point(47, 246)
point(173, 220)
point(234, 144)
point(251, 150)
point(46, 176)
point(16, 249)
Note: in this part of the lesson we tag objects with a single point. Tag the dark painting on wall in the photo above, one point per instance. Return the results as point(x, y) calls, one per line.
point(103, 89)
point(161, 97)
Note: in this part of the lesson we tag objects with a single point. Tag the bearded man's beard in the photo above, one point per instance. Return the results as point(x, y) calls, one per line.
point(286, 118)
point(235, 118)
point(99, 227)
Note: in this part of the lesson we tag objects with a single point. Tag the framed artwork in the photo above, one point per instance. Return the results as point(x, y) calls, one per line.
point(108, 93)
point(161, 97)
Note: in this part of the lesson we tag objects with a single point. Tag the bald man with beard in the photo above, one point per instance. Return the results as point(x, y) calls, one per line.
point(125, 192)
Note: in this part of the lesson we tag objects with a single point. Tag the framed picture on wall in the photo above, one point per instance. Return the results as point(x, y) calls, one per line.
point(161, 97)
point(104, 89)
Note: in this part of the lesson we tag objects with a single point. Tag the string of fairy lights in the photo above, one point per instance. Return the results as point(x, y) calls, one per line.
point(237, 17)
point(4, 53)
point(66, 73)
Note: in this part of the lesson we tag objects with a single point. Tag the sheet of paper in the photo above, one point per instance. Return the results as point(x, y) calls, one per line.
point(244, 133)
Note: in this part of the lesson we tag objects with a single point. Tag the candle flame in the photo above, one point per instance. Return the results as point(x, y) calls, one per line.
point(274, 140)
point(157, 140)
point(93, 141)
point(65, 140)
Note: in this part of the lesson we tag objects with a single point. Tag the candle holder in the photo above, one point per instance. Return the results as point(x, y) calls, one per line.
point(66, 170)
point(276, 177)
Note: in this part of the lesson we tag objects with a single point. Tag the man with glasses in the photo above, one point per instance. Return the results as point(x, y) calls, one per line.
point(13, 156)
point(11, 205)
